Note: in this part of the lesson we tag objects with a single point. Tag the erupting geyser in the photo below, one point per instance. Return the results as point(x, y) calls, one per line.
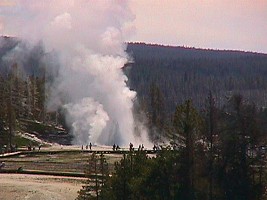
point(87, 38)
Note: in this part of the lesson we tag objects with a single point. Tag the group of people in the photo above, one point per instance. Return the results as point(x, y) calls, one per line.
point(115, 147)
point(155, 148)
point(140, 147)
point(32, 148)
point(131, 147)
point(88, 146)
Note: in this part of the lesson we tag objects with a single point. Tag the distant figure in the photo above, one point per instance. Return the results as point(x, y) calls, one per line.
point(82, 147)
point(142, 148)
point(139, 147)
point(2, 164)
point(90, 146)
point(39, 147)
point(12, 148)
point(114, 147)
point(19, 169)
point(86, 147)
point(117, 147)
point(131, 146)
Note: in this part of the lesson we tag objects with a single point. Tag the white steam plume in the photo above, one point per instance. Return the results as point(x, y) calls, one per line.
point(88, 37)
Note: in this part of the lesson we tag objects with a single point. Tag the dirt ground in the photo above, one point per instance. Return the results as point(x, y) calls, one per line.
point(38, 187)
point(43, 187)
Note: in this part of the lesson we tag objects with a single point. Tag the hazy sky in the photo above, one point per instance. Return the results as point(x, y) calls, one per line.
point(219, 24)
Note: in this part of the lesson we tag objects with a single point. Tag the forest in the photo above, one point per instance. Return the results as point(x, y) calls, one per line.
point(208, 108)
point(183, 73)
point(211, 107)
point(23, 96)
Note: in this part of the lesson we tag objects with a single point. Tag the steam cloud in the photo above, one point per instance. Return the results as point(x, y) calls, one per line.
point(87, 37)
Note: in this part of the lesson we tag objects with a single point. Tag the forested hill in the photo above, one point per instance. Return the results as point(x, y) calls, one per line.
point(183, 73)
point(180, 73)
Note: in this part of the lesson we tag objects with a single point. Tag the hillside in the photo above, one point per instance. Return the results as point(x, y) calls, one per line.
point(188, 73)
point(23, 97)
point(180, 73)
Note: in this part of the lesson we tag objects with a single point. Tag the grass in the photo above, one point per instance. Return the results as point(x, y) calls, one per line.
point(21, 141)
point(69, 162)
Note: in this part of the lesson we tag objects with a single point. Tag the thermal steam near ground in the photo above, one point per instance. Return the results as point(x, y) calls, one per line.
point(84, 50)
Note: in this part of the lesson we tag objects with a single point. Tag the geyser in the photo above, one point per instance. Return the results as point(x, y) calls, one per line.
point(87, 38)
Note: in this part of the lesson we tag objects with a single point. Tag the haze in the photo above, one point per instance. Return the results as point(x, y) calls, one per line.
point(217, 24)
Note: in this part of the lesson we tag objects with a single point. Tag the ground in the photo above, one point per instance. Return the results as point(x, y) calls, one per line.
point(56, 158)
point(38, 187)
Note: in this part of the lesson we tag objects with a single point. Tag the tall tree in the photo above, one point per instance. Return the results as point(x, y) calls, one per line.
point(157, 112)
point(11, 104)
point(96, 173)
point(188, 123)
point(239, 131)
point(211, 129)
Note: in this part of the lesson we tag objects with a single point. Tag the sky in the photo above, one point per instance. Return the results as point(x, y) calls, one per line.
point(216, 24)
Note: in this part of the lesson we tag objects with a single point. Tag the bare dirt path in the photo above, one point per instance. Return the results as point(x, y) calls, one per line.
point(38, 187)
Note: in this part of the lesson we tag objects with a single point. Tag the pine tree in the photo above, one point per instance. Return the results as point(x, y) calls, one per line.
point(211, 121)
point(188, 123)
point(96, 173)
point(157, 113)
point(239, 131)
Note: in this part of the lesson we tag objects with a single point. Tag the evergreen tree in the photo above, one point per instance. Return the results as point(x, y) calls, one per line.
point(238, 132)
point(157, 113)
point(188, 123)
point(211, 121)
point(96, 173)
